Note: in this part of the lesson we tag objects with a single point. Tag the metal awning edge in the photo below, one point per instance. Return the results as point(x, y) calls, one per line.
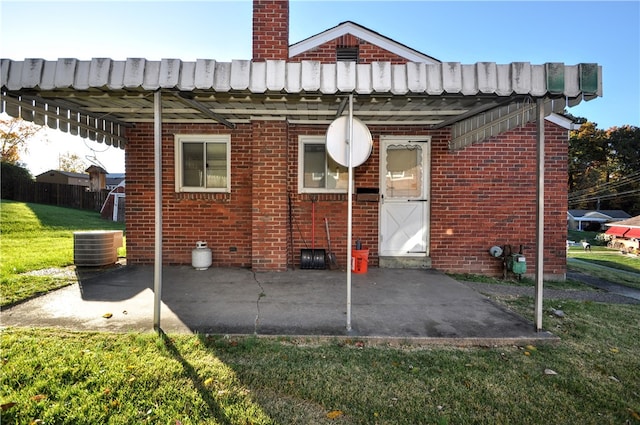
point(486, 124)
point(67, 120)
point(482, 78)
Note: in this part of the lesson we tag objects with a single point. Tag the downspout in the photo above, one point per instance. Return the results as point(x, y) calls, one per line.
point(157, 162)
point(539, 213)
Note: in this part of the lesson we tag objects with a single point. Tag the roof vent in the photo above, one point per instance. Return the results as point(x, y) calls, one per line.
point(347, 54)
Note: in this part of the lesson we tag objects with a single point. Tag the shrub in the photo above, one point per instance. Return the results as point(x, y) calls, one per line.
point(12, 176)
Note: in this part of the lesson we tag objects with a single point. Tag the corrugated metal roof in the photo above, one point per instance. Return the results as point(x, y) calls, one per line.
point(520, 78)
point(100, 97)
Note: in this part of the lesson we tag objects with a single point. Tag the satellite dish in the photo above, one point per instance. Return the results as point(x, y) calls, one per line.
point(338, 141)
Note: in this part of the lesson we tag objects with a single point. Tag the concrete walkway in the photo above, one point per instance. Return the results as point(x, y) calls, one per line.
point(423, 306)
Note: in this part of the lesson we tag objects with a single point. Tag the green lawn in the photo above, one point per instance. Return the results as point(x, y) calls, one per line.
point(39, 237)
point(590, 377)
point(51, 376)
point(608, 264)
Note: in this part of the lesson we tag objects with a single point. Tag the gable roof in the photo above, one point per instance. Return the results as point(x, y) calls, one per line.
point(633, 222)
point(65, 173)
point(362, 33)
point(96, 169)
point(596, 215)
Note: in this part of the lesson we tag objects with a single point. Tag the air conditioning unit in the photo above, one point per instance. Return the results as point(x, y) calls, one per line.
point(96, 248)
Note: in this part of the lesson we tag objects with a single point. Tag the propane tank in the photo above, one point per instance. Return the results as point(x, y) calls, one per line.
point(201, 256)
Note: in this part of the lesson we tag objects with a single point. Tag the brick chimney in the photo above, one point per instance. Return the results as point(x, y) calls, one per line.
point(270, 30)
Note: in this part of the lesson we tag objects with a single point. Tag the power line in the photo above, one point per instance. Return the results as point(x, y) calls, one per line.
point(606, 188)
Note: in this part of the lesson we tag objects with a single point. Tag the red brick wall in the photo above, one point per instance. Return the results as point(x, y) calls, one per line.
point(367, 52)
point(224, 221)
point(485, 195)
point(333, 207)
point(270, 30)
point(481, 196)
point(269, 194)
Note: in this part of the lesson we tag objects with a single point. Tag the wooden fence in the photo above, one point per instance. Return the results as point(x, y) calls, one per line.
point(62, 195)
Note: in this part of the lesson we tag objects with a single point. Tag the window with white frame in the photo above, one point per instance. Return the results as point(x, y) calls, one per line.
point(203, 163)
point(317, 172)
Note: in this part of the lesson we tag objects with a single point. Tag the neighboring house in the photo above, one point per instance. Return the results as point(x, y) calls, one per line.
point(63, 177)
point(114, 179)
point(593, 220)
point(625, 235)
point(242, 155)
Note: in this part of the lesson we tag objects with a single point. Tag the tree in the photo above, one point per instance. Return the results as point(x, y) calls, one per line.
point(72, 162)
point(625, 166)
point(588, 154)
point(12, 177)
point(604, 168)
point(14, 134)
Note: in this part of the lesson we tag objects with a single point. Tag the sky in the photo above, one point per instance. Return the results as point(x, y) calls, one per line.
point(572, 32)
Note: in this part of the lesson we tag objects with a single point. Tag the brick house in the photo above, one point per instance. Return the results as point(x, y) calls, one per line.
point(453, 168)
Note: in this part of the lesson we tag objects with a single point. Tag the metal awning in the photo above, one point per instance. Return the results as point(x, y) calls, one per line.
point(633, 233)
point(617, 231)
point(100, 98)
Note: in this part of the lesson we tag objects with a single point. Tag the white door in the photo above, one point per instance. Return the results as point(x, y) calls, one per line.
point(404, 200)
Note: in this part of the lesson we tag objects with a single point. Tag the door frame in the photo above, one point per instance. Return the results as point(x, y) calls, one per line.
point(425, 141)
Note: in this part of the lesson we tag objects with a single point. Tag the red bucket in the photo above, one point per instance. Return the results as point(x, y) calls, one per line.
point(359, 260)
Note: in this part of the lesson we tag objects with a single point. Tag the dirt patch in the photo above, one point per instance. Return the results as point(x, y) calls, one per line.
point(66, 272)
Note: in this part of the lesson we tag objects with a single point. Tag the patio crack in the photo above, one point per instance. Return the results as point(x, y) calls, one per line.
point(261, 295)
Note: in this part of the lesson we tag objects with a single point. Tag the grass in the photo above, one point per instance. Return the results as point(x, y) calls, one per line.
point(606, 264)
point(85, 378)
point(568, 284)
point(40, 237)
point(54, 376)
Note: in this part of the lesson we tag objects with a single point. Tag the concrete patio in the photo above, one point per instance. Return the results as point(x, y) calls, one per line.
point(401, 305)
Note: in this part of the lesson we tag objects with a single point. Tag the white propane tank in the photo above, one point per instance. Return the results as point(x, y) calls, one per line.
point(201, 256)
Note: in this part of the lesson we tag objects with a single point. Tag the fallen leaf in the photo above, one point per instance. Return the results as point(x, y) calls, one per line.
point(635, 414)
point(613, 378)
point(35, 422)
point(107, 391)
point(7, 406)
point(614, 350)
point(334, 414)
point(530, 348)
point(208, 381)
point(526, 353)
point(132, 379)
point(38, 397)
point(550, 372)
point(107, 315)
